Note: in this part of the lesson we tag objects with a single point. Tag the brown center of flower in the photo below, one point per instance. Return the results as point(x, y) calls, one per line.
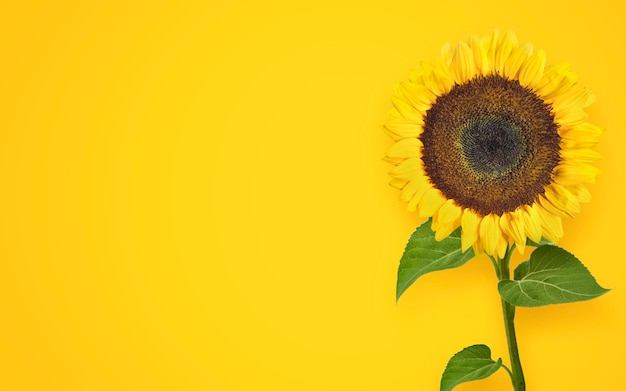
point(490, 145)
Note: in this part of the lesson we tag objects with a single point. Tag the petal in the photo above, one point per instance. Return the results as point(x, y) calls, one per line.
point(513, 64)
point(404, 149)
point(532, 69)
point(576, 97)
point(409, 169)
point(400, 128)
point(551, 225)
point(411, 188)
point(417, 197)
point(481, 62)
point(512, 224)
point(436, 78)
point(478, 247)
point(447, 51)
point(581, 135)
point(570, 117)
point(532, 222)
point(580, 192)
point(469, 232)
point(501, 247)
point(448, 212)
point(444, 230)
point(398, 183)
point(581, 155)
point(552, 77)
point(490, 233)
point(417, 95)
point(462, 65)
point(442, 77)
point(430, 203)
point(570, 173)
point(405, 109)
point(503, 51)
point(448, 218)
point(490, 45)
point(563, 84)
point(559, 201)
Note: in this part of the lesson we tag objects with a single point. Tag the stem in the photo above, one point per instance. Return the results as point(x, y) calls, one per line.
point(496, 267)
point(509, 372)
point(508, 310)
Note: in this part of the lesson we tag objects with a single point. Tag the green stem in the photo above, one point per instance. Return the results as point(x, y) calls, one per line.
point(496, 267)
point(509, 372)
point(508, 310)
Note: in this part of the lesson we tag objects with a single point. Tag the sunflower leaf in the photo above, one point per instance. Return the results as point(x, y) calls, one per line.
point(541, 242)
point(423, 254)
point(471, 363)
point(551, 276)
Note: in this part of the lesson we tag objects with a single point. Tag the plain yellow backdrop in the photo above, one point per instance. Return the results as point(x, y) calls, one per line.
point(193, 198)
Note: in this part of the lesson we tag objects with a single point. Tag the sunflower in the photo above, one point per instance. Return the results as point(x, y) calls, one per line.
point(489, 138)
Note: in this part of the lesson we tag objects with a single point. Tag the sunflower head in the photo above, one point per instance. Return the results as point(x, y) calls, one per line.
point(491, 139)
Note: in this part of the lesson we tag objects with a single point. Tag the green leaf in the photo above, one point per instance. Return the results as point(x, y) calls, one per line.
point(541, 242)
point(551, 276)
point(471, 363)
point(423, 254)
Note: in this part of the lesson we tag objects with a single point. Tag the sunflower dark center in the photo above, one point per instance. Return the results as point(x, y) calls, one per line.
point(490, 144)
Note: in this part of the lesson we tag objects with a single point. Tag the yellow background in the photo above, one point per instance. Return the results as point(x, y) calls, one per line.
point(193, 198)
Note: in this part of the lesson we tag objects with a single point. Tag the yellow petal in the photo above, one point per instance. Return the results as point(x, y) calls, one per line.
point(531, 71)
point(430, 203)
point(411, 188)
point(444, 230)
point(551, 225)
point(405, 148)
point(490, 233)
point(513, 64)
point(552, 78)
point(448, 218)
point(409, 169)
point(426, 67)
point(581, 155)
point(417, 197)
point(398, 183)
point(532, 222)
point(416, 76)
point(576, 97)
point(512, 224)
point(569, 173)
point(503, 51)
point(570, 117)
point(478, 247)
point(481, 63)
point(400, 128)
point(436, 78)
point(560, 201)
point(462, 65)
point(393, 113)
point(585, 130)
point(584, 134)
point(405, 109)
point(448, 212)
point(501, 247)
point(566, 82)
point(469, 232)
point(417, 95)
point(490, 45)
point(447, 51)
point(580, 192)
point(442, 77)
